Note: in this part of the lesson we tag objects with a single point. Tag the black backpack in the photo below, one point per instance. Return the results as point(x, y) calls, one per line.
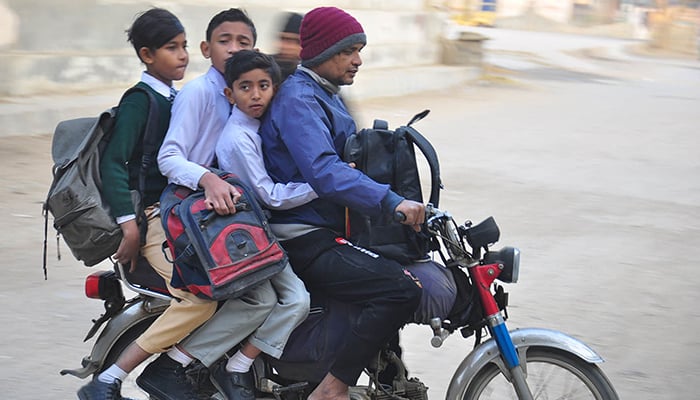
point(388, 156)
point(80, 214)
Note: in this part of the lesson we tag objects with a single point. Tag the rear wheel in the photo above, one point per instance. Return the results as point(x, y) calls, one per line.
point(124, 341)
point(129, 387)
point(550, 374)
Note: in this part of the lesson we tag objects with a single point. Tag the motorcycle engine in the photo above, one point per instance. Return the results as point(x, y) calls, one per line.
point(410, 389)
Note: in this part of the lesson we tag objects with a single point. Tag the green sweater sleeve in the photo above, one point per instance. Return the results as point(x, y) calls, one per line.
point(114, 165)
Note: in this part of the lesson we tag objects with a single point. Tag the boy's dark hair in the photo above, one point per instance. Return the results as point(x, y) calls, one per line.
point(231, 15)
point(153, 29)
point(247, 60)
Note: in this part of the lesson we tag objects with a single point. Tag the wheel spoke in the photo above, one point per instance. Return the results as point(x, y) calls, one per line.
point(551, 375)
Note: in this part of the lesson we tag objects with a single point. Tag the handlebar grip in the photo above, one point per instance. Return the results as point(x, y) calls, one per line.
point(399, 216)
point(438, 339)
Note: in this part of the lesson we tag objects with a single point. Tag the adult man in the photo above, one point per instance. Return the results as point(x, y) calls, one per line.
point(288, 44)
point(303, 134)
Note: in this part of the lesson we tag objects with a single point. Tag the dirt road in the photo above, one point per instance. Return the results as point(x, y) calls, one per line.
point(593, 174)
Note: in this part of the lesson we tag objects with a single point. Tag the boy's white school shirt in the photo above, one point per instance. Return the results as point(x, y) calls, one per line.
point(199, 113)
point(239, 150)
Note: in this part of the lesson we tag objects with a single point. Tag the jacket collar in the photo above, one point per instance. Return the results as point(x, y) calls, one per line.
point(325, 83)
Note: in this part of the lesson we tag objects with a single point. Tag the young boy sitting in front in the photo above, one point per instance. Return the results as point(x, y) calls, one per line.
point(251, 80)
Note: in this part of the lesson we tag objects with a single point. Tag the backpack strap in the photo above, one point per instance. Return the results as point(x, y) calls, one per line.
point(150, 149)
point(431, 157)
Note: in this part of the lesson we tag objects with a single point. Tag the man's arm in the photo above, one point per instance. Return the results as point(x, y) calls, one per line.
point(303, 129)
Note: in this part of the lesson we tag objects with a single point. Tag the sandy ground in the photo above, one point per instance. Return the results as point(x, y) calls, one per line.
point(592, 174)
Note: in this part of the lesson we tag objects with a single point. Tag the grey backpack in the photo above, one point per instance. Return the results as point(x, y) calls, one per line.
point(80, 214)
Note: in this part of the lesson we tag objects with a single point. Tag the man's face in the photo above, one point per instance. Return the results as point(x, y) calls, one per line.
point(289, 47)
point(342, 67)
point(226, 39)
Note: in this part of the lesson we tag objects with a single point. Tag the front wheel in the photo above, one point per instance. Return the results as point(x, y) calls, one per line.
point(550, 373)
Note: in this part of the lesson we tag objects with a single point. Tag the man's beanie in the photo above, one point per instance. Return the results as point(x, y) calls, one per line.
point(325, 32)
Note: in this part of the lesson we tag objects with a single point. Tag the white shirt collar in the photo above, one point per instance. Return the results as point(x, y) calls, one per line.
point(244, 120)
point(160, 87)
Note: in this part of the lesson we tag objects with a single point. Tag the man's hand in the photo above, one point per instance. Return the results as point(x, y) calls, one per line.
point(219, 195)
point(414, 212)
point(128, 250)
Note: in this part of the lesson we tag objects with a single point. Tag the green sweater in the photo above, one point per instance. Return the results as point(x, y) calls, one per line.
point(121, 160)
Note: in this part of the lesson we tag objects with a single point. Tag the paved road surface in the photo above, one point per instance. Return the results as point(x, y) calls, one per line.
point(591, 171)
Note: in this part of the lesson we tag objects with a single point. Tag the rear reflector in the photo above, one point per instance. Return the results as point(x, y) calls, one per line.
point(95, 284)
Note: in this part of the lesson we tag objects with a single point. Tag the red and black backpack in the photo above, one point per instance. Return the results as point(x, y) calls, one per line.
point(216, 256)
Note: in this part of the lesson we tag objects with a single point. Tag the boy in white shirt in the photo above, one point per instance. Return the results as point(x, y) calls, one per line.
point(251, 79)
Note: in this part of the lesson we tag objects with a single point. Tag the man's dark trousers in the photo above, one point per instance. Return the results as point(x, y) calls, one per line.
point(386, 293)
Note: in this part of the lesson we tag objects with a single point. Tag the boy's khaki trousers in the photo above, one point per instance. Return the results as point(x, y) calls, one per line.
point(183, 316)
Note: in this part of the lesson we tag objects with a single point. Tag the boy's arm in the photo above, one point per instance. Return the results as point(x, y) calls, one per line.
point(175, 158)
point(174, 154)
point(241, 153)
point(131, 121)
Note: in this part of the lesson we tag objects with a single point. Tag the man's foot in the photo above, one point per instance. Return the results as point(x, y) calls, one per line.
point(233, 385)
point(165, 379)
point(97, 390)
point(330, 388)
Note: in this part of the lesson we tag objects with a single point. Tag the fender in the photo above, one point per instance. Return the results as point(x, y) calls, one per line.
point(114, 329)
point(487, 352)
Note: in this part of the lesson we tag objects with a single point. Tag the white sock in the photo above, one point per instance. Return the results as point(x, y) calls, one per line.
point(111, 374)
point(179, 356)
point(239, 363)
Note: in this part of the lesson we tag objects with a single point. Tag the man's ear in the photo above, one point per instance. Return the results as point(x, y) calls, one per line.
point(204, 48)
point(145, 55)
point(228, 92)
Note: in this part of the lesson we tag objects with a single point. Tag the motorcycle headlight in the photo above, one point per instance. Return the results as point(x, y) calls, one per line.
point(509, 258)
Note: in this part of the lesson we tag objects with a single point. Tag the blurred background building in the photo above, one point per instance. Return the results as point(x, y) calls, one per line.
point(54, 46)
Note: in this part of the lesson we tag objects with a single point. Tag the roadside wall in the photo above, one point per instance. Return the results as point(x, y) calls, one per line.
point(53, 46)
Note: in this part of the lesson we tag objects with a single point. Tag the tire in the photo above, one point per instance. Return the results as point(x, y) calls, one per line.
point(551, 374)
point(129, 387)
point(124, 341)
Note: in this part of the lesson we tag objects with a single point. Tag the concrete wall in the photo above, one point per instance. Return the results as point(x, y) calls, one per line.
point(52, 46)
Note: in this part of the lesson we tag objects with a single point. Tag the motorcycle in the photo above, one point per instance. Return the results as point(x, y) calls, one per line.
point(525, 364)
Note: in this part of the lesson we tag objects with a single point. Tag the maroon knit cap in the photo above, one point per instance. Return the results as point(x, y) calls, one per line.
point(325, 32)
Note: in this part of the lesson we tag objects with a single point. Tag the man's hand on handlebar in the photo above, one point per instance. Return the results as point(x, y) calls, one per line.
point(411, 213)
point(219, 194)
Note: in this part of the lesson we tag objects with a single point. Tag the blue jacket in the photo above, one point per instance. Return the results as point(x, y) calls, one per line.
point(303, 136)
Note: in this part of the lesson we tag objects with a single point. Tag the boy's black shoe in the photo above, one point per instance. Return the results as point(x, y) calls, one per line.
point(97, 390)
point(165, 379)
point(233, 385)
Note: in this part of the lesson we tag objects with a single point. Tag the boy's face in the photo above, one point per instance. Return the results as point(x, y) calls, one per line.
point(226, 39)
point(251, 92)
point(342, 67)
point(169, 62)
